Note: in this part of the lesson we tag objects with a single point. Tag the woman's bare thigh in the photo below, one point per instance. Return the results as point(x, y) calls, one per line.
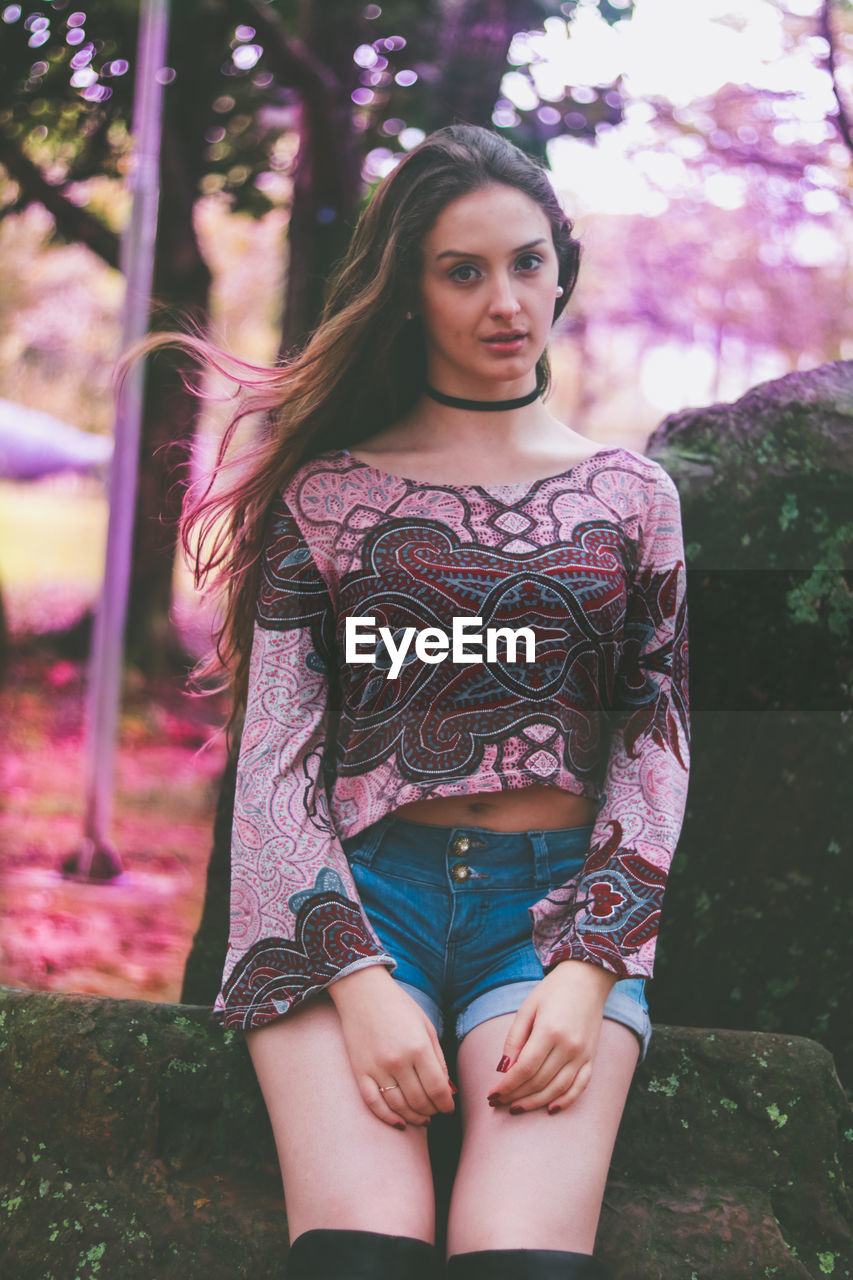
point(341, 1167)
point(535, 1181)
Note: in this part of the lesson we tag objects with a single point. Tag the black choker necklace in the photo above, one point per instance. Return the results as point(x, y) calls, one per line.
point(456, 402)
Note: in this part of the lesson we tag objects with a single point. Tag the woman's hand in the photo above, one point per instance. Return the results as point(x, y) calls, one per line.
point(553, 1039)
point(390, 1040)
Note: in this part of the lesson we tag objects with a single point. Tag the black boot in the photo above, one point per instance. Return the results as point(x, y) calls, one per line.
point(524, 1264)
point(327, 1254)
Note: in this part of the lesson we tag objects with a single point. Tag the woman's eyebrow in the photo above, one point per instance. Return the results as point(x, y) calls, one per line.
point(457, 253)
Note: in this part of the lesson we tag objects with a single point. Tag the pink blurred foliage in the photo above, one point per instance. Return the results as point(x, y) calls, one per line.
point(129, 938)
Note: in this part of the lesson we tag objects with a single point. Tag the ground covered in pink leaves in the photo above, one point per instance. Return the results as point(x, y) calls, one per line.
point(131, 936)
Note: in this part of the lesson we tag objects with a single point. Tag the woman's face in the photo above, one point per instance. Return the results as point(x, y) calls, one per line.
point(489, 269)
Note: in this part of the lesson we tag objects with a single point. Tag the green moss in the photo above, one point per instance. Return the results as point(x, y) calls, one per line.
point(827, 1263)
point(778, 1117)
point(668, 1086)
point(728, 1104)
point(181, 1067)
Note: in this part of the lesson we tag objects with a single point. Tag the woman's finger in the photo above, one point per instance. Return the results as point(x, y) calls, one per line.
point(552, 1064)
point(581, 1081)
point(555, 1090)
point(520, 1077)
point(414, 1093)
point(518, 1037)
point(434, 1076)
point(382, 1109)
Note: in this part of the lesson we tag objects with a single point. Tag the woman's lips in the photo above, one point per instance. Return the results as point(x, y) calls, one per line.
point(508, 345)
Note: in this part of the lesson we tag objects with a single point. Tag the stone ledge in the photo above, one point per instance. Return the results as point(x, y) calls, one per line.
point(135, 1145)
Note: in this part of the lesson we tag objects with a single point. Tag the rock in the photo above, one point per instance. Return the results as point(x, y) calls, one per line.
point(812, 409)
point(755, 930)
point(136, 1145)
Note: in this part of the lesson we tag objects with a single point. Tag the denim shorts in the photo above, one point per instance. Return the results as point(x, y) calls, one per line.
point(450, 905)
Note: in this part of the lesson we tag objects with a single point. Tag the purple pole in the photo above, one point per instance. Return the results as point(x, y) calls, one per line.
point(96, 858)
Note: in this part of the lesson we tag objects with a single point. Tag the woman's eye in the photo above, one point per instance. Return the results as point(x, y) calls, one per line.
point(532, 261)
point(463, 279)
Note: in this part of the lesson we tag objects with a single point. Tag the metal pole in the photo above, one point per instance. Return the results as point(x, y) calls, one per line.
point(96, 858)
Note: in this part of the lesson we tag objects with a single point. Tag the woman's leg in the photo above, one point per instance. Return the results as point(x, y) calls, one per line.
point(535, 1181)
point(341, 1167)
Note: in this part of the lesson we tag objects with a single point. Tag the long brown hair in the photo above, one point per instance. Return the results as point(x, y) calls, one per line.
point(361, 369)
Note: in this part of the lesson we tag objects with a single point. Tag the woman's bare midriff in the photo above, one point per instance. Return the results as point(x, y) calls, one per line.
point(528, 809)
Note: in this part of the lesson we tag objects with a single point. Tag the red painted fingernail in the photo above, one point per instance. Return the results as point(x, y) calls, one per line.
point(516, 1111)
point(453, 1088)
point(503, 1065)
point(552, 1111)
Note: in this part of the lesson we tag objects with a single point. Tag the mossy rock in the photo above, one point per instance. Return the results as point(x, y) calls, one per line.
point(755, 928)
point(135, 1144)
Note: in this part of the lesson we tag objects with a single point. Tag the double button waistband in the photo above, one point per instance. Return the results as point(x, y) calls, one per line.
point(481, 859)
point(466, 859)
point(462, 871)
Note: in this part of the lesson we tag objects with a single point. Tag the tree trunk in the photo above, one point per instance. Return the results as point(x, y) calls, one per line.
point(203, 972)
point(327, 180)
point(474, 43)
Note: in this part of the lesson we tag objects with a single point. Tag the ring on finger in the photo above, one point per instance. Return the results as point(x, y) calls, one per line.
point(385, 1088)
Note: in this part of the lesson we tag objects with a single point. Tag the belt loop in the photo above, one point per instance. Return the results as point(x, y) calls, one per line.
point(542, 863)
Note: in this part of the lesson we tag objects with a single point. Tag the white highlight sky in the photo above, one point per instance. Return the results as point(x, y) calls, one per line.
point(677, 49)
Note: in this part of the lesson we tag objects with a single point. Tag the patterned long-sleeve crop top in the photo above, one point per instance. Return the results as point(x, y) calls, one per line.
point(414, 639)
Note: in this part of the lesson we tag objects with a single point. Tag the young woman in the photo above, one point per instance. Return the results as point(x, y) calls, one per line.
point(460, 634)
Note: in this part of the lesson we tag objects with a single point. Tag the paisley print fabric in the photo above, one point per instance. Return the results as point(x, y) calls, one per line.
point(591, 561)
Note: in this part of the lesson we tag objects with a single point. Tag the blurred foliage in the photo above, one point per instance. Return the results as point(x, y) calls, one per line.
point(68, 105)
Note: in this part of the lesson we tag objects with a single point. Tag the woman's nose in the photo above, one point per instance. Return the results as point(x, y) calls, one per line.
point(503, 301)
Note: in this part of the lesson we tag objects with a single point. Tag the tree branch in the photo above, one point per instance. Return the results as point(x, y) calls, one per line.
point(73, 221)
point(825, 24)
point(291, 61)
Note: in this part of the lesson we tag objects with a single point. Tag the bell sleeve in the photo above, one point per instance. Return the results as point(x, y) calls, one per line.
point(609, 913)
point(296, 921)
